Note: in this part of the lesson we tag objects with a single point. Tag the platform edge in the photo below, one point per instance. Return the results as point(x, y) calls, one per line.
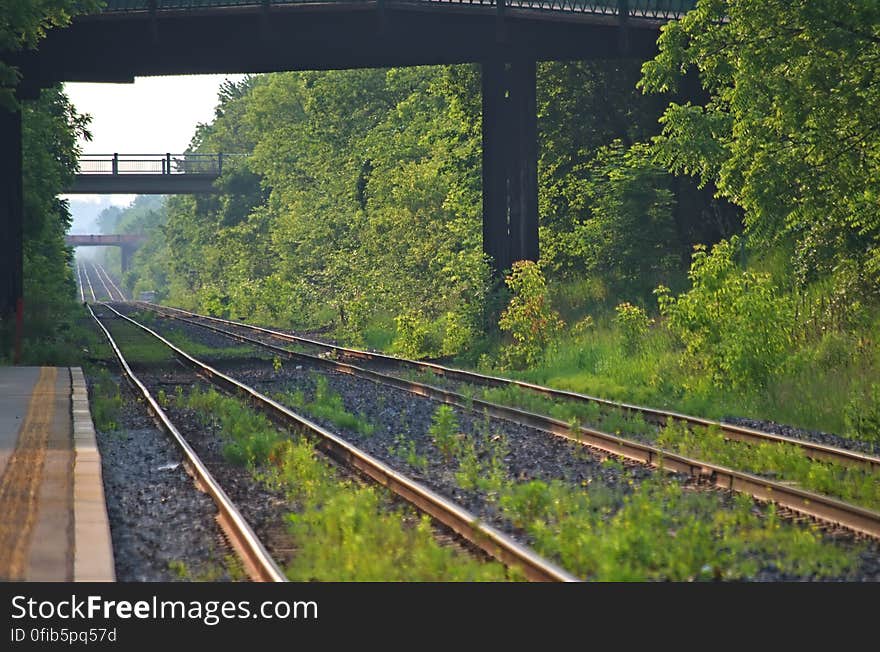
point(93, 546)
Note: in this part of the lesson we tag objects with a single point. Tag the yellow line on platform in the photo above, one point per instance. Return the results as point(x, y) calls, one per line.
point(20, 484)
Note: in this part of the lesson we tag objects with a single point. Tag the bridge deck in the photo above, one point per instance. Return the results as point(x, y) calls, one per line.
point(230, 36)
point(142, 184)
point(634, 8)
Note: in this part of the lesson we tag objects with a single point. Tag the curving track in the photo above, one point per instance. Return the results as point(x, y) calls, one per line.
point(256, 560)
point(817, 506)
point(464, 523)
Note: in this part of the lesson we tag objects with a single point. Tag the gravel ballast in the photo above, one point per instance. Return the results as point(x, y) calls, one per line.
point(162, 527)
point(529, 454)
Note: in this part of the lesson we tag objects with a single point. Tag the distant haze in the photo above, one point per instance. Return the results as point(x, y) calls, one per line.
point(152, 115)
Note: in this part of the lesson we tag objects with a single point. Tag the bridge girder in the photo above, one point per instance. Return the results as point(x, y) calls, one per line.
point(339, 35)
point(143, 184)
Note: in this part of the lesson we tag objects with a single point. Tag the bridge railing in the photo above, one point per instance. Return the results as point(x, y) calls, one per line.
point(664, 9)
point(201, 164)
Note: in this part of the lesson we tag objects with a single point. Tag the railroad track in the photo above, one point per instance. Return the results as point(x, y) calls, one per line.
point(103, 278)
point(820, 507)
point(461, 521)
point(110, 284)
point(80, 282)
point(84, 275)
point(660, 417)
point(255, 559)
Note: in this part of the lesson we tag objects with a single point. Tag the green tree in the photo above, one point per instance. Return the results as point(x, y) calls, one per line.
point(22, 24)
point(736, 324)
point(50, 128)
point(630, 237)
point(789, 129)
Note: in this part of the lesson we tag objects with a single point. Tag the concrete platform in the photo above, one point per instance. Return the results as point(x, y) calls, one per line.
point(53, 518)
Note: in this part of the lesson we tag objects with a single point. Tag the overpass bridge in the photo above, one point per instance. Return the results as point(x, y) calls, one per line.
point(129, 38)
point(128, 243)
point(148, 174)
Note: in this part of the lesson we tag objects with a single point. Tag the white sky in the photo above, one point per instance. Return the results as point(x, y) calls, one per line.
point(151, 116)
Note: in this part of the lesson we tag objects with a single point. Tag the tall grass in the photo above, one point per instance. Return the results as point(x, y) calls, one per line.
point(342, 531)
point(811, 390)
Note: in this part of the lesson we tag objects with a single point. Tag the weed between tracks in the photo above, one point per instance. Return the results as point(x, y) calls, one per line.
point(154, 351)
point(342, 531)
point(655, 529)
point(778, 461)
point(773, 460)
point(229, 569)
point(651, 530)
point(327, 405)
point(106, 400)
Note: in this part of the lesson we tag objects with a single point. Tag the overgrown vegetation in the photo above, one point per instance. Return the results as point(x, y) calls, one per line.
point(229, 568)
point(529, 318)
point(783, 462)
point(655, 529)
point(106, 400)
point(343, 531)
point(671, 273)
point(661, 531)
point(327, 404)
point(779, 461)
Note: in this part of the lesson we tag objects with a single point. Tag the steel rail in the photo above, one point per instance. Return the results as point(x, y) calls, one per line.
point(813, 450)
point(109, 278)
point(82, 291)
point(103, 282)
point(89, 281)
point(257, 562)
point(818, 506)
point(461, 521)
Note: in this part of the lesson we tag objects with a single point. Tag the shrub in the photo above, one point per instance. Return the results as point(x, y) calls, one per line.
point(417, 337)
point(734, 323)
point(529, 318)
point(444, 431)
point(633, 323)
point(862, 415)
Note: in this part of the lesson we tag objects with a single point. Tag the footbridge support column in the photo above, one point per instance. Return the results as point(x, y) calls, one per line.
point(125, 254)
point(510, 161)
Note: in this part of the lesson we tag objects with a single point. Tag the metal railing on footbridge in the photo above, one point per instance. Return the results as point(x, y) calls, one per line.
point(194, 164)
point(656, 9)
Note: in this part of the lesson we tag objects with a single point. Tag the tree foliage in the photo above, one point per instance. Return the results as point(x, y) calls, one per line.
point(359, 207)
point(50, 128)
point(23, 23)
point(789, 130)
point(735, 323)
point(360, 199)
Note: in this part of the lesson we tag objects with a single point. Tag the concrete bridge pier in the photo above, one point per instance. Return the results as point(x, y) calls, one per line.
point(11, 232)
point(510, 161)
